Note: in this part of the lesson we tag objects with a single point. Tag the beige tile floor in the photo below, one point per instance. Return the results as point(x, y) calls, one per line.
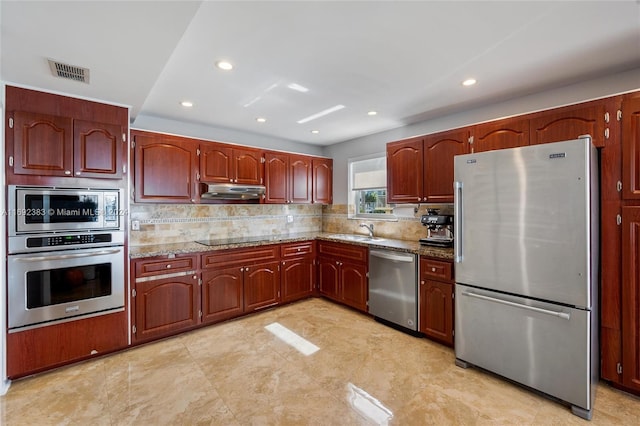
point(238, 373)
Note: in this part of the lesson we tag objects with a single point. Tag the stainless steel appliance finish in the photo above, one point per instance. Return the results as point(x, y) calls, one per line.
point(233, 191)
point(439, 228)
point(526, 253)
point(54, 286)
point(393, 287)
point(39, 209)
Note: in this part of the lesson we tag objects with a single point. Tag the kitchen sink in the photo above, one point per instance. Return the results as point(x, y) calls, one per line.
point(357, 237)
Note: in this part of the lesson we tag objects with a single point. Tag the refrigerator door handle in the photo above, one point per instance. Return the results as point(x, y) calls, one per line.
point(562, 315)
point(457, 227)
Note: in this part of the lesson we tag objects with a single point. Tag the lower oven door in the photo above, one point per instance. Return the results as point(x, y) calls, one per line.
point(60, 285)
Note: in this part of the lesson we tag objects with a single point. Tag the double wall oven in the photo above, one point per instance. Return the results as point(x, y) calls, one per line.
point(66, 254)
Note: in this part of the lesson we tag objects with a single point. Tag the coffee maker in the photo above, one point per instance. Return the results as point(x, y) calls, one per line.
point(439, 229)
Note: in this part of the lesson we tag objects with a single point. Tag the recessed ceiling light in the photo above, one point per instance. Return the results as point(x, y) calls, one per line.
point(315, 132)
point(469, 82)
point(224, 65)
point(372, 113)
point(320, 114)
point(297, 87)
point(261, 120)
point(186, 104)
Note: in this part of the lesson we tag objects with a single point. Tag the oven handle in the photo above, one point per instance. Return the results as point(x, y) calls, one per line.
point(67, 256)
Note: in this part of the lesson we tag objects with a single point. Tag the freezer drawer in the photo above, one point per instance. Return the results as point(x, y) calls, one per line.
point(541, 345)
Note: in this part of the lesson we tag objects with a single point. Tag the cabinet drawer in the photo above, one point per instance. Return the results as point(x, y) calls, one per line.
point(436, 269)
point(290, 250)
point(164, 265)
point(343, 251)
point(243, 257)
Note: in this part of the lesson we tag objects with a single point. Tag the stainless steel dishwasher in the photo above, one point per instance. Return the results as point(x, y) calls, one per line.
point(393, 288)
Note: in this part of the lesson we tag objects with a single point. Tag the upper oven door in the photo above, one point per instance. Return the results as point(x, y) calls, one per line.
point(34, 209)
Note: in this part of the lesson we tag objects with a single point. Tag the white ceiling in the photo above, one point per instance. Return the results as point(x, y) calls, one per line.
point(405, 60)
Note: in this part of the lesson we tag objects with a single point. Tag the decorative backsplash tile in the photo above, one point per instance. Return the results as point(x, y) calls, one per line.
point(176, 223)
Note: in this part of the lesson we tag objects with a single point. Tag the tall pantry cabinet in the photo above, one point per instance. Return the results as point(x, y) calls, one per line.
point(630, 366)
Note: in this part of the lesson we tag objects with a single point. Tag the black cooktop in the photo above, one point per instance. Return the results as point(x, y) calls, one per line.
point(237, 240)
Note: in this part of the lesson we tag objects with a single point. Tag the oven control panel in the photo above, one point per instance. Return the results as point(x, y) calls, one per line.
point(64, 240)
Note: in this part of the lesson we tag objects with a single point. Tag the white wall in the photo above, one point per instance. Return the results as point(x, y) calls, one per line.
point(575, 93)
point(219, 134)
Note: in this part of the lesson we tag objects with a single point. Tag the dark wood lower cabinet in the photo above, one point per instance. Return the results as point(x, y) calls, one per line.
point(436, 299)
point(631, 298)
point(47, 347)
point(261, 286)
point(342, 273)
point(166, 306)
point(222, 294)
point(297, 278)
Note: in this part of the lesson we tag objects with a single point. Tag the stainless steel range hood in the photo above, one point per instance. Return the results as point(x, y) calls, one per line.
point(233, 191)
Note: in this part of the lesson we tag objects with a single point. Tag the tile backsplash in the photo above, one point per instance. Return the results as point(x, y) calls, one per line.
point(176, 223)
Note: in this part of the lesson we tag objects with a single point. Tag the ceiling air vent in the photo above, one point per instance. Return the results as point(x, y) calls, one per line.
point(70, 72)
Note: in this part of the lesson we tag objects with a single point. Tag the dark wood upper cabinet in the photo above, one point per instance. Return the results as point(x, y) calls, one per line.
point(322, 181)
point(439, 151)
point(42, 144)
point(287, 178)
point(51, 136)
point(97, 149)
point(500, 134)
point(631, 147)
point(222, 163)
point(569, 123)
point(404, 171)
point(166, 168)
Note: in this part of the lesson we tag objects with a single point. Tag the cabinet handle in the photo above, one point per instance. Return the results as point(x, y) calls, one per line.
point(246, 269)
point(433, 269)
point(299, 249)
point(78, 173)
point(422, 282)
point(67, 172)
point(168, 266)
point(195, 277)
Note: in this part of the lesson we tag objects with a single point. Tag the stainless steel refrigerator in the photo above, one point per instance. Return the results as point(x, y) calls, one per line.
point(526, 267)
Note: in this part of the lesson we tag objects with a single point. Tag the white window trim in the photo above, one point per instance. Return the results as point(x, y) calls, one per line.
point(351, 195)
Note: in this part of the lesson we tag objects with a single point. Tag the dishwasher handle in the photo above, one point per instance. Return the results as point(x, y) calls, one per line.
point(407, 258)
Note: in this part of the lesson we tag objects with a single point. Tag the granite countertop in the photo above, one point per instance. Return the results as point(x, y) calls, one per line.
point(137, 252)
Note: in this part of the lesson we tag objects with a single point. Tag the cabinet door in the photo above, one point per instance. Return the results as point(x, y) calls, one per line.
point(436, 310)
point(97, 149)
point(439, 150)
point(261, 286)
point(166, 306)
point(42, 144)
point(404, 171)
point(322, 181)
point(222, 294)
point(248, 166)
point(216, 163)
point(300, 179)
point(276, 169)
point(329, 277)
point(568, 123)
point(297, 278)
point(631, 147)
point(631, 297)
point(166, 168)
point(353, 279)
point(501, 134)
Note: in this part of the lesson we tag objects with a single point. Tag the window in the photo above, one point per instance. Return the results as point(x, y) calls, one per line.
point(368, 188)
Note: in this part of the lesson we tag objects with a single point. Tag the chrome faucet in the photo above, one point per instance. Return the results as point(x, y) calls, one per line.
point(369, 228)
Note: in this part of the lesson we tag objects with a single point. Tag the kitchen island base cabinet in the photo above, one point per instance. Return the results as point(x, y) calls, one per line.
point(166, 306)
point(43, 348)
point(342, 273)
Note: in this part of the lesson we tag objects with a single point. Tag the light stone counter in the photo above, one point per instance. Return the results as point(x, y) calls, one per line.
point(137, 252)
